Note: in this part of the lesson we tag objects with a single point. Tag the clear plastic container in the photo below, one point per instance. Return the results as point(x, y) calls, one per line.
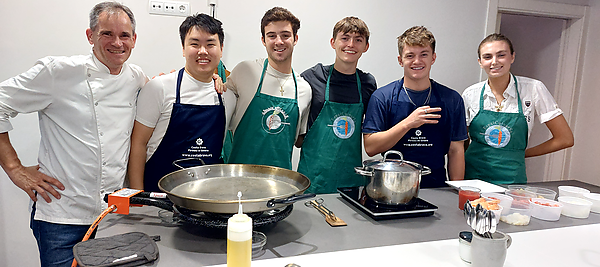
point(518, 187)
point(543, 192)
point(258, 243)
point(520, 197)
point(546, 209)
point(595, 199)
point(505, 200)
point(571, 191)
point(575, 207)
point(519, 214)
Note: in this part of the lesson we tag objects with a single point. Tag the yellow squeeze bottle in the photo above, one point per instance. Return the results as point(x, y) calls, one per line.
point(239, 238)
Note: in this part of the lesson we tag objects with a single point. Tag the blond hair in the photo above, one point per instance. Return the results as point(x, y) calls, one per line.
point(416, 36)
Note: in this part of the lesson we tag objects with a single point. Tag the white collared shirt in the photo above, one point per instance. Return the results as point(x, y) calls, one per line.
point(535, 98)
point(86, 116)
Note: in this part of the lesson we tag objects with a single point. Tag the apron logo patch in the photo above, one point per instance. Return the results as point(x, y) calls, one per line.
point(343, 127)
point(274, 119)
point(497, 136)
point(199, 141)
point(418, 133)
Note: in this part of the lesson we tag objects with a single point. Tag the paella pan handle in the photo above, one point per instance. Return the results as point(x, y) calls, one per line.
point(186, 159)
point(271, 203)
point(426, 170)
point(393, 152)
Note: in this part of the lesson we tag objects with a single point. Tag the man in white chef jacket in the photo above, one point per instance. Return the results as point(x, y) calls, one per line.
point(86, 106)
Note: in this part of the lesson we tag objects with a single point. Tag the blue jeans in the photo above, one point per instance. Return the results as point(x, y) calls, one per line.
point(56, 241)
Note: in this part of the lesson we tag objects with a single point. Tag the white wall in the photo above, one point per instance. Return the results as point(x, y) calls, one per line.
point(58, 28)
point(585, 158)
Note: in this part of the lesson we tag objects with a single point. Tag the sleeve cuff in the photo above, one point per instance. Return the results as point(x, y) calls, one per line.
point(548, 116)
point(5, 126)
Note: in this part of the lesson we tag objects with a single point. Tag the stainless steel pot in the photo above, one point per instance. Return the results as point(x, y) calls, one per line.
point(213, 188)
point(392, 181)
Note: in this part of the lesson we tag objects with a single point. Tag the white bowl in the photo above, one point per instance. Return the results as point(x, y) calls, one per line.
point(575, 207)
point(595, 199)
point(505, 200)
point(571, 191)
point(549, 212)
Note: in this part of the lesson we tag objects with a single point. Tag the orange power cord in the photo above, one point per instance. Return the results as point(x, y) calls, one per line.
point(94, 225)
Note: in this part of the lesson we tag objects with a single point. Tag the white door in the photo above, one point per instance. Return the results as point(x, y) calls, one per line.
point(536, 41)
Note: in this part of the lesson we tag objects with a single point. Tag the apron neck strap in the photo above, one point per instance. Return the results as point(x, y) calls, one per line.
point(358, 84)
point(516, 89)
point(179, 78)
point(221, 72)
point(262, 77)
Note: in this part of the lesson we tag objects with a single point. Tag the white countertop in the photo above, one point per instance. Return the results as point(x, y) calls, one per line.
point(576, 246)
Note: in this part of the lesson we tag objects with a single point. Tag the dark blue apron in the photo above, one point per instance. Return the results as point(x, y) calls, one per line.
point(427, 144)
point(194, 131)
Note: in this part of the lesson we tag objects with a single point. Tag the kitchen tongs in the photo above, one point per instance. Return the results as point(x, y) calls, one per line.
point(330, 218)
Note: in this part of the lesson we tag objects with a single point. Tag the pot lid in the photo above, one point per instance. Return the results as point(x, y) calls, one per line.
point(397, 165)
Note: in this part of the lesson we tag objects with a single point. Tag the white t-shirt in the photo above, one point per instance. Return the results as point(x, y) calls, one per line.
point(535, 98)
point(244, 80)
point(156, 99)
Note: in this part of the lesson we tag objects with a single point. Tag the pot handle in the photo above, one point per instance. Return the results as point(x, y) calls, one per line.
point(426, 170)
point(361, 171)
point(393, 152)
point(186, 159)
point(271, 203)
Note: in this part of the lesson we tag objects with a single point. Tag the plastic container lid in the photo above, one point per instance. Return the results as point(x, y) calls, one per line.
point(571, 191)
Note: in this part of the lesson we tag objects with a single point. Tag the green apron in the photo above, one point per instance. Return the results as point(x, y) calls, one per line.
point(497, 151)
point(267, 131)
point(332, 147)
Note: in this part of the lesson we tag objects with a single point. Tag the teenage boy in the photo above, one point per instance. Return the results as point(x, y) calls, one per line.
point(273, 102)
point(180, 115)
point(86, 107)
point(340, 94)
point(417, 116)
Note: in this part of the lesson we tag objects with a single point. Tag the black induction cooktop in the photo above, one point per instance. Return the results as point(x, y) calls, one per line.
point(417, 207)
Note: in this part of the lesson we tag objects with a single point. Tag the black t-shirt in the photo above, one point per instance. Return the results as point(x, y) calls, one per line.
point(342, 88)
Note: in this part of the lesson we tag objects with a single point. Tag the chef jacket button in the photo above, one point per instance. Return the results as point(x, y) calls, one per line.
point(104, 163)
point(89, 75)
point(96, 104)
point(101, 134)
point(130, 104)
point(102, 192)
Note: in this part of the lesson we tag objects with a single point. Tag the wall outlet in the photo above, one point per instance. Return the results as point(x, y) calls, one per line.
point(169, 8)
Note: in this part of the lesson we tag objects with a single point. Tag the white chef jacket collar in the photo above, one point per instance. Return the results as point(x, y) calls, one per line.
point(99, 66)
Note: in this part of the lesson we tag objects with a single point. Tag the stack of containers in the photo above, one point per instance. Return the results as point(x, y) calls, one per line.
point(575, 204)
